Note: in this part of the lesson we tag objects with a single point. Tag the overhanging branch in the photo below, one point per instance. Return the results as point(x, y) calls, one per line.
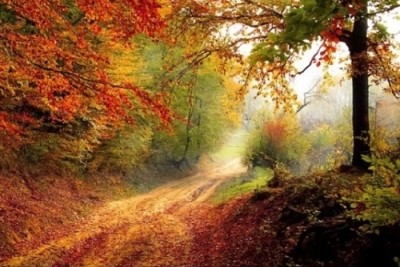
point(312, 60)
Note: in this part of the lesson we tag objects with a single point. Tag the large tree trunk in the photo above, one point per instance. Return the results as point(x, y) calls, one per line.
point(358, 51)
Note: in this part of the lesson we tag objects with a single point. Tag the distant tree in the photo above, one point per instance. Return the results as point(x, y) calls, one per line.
point(197, 96)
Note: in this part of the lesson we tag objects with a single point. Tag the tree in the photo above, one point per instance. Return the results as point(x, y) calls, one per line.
point(196, 95)
point(283, 30)
point(54, 58)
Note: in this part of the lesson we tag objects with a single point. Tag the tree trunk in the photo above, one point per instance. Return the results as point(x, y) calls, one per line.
point(200, 137)
point(358, 51)
point(189, 125)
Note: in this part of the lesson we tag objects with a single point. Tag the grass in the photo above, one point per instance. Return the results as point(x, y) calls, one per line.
point(245, 183)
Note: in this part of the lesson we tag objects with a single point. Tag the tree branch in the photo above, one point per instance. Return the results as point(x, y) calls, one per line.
point(387, 77)
point(345, 37)
point(388, 9)
point(311, 61)
point(307, 94)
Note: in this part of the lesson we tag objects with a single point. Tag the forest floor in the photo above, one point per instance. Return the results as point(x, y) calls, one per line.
point(152, 229)
point(293, 222)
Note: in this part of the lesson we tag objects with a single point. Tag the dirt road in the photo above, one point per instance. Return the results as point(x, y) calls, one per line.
point(147, 230)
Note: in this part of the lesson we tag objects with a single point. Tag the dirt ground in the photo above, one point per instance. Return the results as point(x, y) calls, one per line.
point(152, 229)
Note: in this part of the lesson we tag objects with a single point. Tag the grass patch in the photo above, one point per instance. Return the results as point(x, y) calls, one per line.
point(245, 183)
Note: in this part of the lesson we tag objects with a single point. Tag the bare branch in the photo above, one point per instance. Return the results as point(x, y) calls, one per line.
point(309, 93)
point(311, 60)
point(388, 9)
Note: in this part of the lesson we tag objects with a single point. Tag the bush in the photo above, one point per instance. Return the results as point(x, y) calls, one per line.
point(54, 153)
point(380, 200)
point(277, 139)
point(331, 147)
point(127, 150)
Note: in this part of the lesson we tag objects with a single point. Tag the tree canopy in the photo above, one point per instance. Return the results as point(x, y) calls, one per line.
point(58, 59)
point(54, 65)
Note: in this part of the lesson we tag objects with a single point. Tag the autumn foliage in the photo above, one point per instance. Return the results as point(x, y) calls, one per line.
point(54, 62)
point(86, 87)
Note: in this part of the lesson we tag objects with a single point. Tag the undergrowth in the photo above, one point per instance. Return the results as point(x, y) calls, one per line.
point(245, 183)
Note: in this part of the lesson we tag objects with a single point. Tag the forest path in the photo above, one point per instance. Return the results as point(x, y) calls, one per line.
point(152, 229)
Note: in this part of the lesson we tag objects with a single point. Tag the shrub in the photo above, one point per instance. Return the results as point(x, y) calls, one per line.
point(331, 147)
point(380, 200)
point(127, 150)
point(277, 139)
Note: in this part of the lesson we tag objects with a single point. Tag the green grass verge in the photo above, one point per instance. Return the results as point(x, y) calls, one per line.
point(245, 183)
